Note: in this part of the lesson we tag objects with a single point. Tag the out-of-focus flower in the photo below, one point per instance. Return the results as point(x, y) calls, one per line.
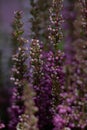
point(69, 16)
point(2, 125)
point(28, 121)
point(73, 100)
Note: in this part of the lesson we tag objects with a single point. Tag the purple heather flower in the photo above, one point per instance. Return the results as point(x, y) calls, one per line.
point(72, 105)
point(41, 83)
point(58, 122)
point(18, 72)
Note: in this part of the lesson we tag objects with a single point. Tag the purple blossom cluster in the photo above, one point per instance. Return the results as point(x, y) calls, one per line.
point(47, 72)
point(42, 85)
point(71, 112)
point(47, 80)
point(58, 77)
point(53, 69)
point(15, 110)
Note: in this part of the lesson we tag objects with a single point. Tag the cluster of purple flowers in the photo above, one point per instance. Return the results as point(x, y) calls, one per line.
point(57, 77)
point(53, 69)
point(15, 110)
point(71, 111)
point(41, 84)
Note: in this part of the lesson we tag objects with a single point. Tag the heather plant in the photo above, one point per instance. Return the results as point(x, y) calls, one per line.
point(41, 84)
point(17, 30)
point(40, 19)
point(18, 72)
point(47, 69)
point(58, 77)
point(54, 70)
point(55, 26)
point(80, 75)
point(35, 60)
point(71, 113)
point(28, 121)
point(56, 56)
